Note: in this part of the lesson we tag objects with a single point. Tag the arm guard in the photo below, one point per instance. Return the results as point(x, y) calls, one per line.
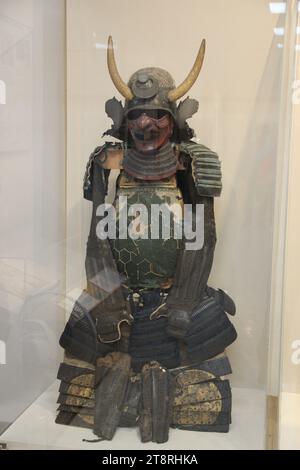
point(194, 266)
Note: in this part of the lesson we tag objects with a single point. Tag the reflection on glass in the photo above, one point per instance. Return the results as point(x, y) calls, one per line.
point(2, 92)
point(278, 31)
point(278, 7)
point(2, 352)
point(98, 45)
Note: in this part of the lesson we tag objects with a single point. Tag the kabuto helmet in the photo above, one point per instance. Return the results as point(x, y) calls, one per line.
point(152, 88)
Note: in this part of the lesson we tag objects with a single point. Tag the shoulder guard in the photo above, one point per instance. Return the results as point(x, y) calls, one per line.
point(88, 176)
point(206, 168)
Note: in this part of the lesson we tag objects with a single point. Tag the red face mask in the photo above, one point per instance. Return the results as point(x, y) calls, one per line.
point(150, 129)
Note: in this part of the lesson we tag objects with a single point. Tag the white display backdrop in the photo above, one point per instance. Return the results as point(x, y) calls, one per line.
point(239, 93)
point(32, 182)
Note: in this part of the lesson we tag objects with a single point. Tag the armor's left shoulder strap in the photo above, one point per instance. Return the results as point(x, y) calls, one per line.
point(206, 168)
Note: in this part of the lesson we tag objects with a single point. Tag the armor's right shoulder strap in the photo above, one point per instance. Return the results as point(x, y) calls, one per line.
point(108, 156)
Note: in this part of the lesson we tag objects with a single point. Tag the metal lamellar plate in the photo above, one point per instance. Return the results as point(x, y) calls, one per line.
point(73, 361)
point(75, 401)
point(193, 376)
point(76, 390)
point(73, 419)
point(76, 375)
point(207, 406)
point(87, 380)
point(202, 392)
point(77, 410)
point(158, 165)
point(182, 417)
point(216, 367)
point(87, 419)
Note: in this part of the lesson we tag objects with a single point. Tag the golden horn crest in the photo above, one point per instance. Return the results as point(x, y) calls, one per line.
point(184, 87)
point(114, 74)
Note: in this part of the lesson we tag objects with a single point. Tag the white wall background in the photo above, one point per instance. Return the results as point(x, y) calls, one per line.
point(289, 410)
point(238, 91)
point(32, 198)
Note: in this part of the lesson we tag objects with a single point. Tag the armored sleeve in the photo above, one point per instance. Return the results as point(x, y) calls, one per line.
point(206, 168)
point(194, 266)
point(103, 279)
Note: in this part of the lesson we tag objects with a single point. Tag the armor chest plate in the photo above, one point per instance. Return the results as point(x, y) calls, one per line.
point(152, 214)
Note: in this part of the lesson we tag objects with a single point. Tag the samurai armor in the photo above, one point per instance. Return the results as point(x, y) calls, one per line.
point(110, 393)
point(155, 404)
point(147, 324)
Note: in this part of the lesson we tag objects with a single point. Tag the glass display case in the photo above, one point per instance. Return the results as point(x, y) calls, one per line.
point(54, 84)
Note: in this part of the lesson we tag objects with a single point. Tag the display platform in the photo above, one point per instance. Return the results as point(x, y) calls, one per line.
point(36, 429)
point(289, 437)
